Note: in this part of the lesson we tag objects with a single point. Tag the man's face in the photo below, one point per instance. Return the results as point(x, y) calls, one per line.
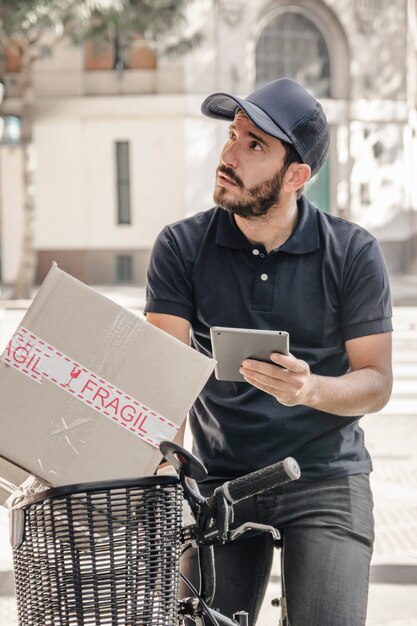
point(250, 174)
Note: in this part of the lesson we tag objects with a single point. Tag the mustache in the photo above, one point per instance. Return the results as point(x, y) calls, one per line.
point(227, 171)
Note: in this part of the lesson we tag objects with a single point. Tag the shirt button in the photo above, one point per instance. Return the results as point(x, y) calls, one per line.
point(255, 251)
point(264, 276)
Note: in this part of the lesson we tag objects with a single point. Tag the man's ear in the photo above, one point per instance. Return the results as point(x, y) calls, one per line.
point(296, 176)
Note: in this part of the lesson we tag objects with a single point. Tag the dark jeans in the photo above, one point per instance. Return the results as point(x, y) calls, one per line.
point(327, 536)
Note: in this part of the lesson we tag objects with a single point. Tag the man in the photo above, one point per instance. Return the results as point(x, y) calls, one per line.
point(266, 258)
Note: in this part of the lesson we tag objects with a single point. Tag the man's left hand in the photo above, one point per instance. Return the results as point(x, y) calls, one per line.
point(286, 378)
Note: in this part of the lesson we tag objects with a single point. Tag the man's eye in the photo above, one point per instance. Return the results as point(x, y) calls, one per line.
point(256, 146)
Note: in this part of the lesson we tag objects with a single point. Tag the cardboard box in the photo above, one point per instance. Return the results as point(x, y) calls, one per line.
point(89, 389)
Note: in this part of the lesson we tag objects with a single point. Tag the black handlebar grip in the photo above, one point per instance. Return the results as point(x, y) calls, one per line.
point(259, 481)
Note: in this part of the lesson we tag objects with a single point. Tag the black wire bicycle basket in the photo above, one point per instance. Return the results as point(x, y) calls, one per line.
point(99, 553)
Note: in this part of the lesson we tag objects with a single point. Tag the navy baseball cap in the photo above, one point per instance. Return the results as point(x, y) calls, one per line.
point(282, 109)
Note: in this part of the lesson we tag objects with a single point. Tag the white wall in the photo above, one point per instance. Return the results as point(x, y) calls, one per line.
point(76, 180)
point(203, 141)
point(60, 213)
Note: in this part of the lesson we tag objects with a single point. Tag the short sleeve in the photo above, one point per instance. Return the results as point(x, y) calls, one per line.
point(169, 288)
point(366, 300)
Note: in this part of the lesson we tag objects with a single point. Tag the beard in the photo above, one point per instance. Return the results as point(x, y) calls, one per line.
point(260, 198)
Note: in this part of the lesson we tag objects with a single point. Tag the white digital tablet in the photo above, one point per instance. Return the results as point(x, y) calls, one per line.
point(231, 346)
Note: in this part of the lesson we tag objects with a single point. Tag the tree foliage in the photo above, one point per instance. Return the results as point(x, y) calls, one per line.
point(42, 23)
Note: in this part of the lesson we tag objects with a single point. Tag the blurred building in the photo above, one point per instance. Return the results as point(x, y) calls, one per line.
point(122, 149)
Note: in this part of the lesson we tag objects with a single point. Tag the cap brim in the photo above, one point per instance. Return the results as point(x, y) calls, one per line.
point(223, 106)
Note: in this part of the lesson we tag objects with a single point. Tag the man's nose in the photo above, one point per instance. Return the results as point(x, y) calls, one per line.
point(229, 156)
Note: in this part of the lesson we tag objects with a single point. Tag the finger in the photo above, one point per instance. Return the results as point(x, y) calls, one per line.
point(269, 370)
point(289, 362)
point(272, 380)
point(262, 384)
point(279, 394)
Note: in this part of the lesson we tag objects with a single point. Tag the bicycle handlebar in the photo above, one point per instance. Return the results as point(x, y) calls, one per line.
point(214, 515)
point(256, 482)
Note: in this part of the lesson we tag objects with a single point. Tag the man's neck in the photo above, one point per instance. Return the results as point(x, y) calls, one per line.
point(271, 230)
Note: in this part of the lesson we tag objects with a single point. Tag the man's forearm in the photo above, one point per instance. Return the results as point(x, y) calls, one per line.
point(365, 389)
point(355, 393)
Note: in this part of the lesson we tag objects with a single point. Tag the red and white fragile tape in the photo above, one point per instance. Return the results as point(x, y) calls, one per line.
point(38, 360)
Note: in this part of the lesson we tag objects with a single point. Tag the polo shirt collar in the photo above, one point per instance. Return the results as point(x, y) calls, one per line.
point(305, 237)
point(229, 234)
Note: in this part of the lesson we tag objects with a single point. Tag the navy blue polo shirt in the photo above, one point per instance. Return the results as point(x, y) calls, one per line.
point(326, 284)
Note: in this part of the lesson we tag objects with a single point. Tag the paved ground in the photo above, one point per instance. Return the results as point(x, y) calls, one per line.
point(392, 441)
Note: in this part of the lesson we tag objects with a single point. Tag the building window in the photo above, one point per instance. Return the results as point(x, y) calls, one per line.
point(123, 182)
point(291, 45)
point(124, 268)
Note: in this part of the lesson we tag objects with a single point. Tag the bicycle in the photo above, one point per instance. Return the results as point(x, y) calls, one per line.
point(108, 552)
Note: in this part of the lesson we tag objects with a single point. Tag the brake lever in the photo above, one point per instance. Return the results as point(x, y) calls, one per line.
point(234, 534)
